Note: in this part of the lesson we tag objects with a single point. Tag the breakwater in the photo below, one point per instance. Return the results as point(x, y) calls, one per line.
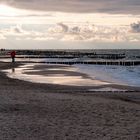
point(99, 62)
point(70, 57)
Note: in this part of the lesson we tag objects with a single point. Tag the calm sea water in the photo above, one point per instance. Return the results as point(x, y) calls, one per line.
point(128, 75)
point(130, 54)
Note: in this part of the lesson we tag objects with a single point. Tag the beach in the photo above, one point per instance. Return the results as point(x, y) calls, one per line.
point(37, 111)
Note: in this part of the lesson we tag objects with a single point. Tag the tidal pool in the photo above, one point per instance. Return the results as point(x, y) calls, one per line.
point(53, 74)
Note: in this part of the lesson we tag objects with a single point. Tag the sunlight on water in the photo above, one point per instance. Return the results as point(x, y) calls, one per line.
point(28, 73)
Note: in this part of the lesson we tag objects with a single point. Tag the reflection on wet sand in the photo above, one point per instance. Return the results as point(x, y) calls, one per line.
point(13, 70)
point(54, 74)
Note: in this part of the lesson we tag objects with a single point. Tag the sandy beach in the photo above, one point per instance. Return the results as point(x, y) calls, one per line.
point(33, 111)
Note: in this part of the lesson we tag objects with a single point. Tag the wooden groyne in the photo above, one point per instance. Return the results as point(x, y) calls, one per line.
point(72, 61)
point(71, 57)
point(68, 54)
point(121, 63)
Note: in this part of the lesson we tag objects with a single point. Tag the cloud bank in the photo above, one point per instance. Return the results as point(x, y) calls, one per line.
point(88, 32)
point(79, 6)
point(82, 33)
point(135, 27)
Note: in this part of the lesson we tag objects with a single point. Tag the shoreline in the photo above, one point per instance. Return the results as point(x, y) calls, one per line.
point(44, 111)
point(54, 70)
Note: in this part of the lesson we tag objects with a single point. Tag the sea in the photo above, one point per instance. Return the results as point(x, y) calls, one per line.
point(104, 74)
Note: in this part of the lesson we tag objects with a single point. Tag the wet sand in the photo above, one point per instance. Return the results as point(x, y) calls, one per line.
point(53, 74)
point(31, 111)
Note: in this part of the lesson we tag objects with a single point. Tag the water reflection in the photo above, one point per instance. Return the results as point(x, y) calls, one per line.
point(13, 70)
point(53, 74)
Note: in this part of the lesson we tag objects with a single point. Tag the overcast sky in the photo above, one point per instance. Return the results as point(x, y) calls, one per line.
point(98, 6)
point(70, 24)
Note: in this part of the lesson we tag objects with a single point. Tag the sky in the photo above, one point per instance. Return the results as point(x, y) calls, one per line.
point(70, 24)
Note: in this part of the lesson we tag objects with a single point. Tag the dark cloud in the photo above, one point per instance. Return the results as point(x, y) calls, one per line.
point(86, 6)
point(135, 27)
point(64, 27)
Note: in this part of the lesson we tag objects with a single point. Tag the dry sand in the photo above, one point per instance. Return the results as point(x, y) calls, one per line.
point(30, 111)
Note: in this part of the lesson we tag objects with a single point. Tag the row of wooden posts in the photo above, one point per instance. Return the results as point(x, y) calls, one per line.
point(121, 63)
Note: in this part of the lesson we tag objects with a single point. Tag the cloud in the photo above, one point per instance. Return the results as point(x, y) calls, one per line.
point(67, 32)
point(17, 29)
point(135, 27)
point(13, 31)
point(89, 32)
point(19, 33)
point(2, 37)
point(75, 30)
point(79, 6)
point(64, 27)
